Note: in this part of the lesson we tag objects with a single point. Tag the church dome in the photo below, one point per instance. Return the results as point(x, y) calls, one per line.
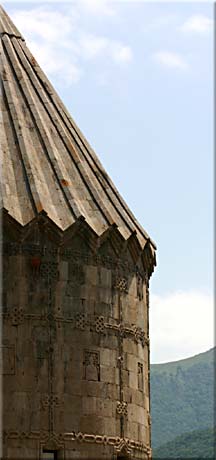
point(76, 269)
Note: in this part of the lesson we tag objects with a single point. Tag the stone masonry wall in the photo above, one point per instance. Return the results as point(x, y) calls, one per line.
point(75, 351)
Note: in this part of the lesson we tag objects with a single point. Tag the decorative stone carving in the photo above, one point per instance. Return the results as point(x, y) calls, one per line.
point(83, 322)
point(49, 270)
point(50, 400)
point(117, 442)
point(96, 259)
point(121, 284)
point(13, 248)
point(99, 324)
point(121, 408)
point(52, 441)
point(124, 448)
point(91, 365)
point(80, 321)
point(138, 334)
point(17, 316)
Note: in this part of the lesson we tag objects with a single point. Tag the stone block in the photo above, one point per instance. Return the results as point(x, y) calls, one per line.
point(108, 374)
point(141, 318)
point(133, 381)
point(71, 403)
point(117, 376)
point(132, 287)
point(112, 391)
point(91, 276)
point(131, 363)
point(109, 340)
point(115, 308)
point(104, 295)
point(141, 352)
point(105, 278)
point(142, 434)
point(127, 394)
point(20, 449)
point(92, 388)
point(131, 430)
point(147, 403)
point(63, 270)
point(136, 414)
point(125, 377)
point(147, 435)
point(108, 357)
point(92, 424)
point(129, 346)
point(89, 405)
point(110, 426)
point(139, 398)
point(104, 407)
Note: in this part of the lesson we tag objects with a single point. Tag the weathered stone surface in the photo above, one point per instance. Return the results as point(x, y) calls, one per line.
point(73, 365)
point(76, 266)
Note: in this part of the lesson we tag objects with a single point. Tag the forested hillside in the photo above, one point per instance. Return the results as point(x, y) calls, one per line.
point(197, 444)
point(182, 398)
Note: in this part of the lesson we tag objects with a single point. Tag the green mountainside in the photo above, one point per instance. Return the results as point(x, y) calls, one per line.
point(197, 444)
point(182, 397)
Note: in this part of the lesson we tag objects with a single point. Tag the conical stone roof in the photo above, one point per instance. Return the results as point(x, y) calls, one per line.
point(47, 164)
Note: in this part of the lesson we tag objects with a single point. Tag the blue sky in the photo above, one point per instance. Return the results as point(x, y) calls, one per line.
point(137, 78)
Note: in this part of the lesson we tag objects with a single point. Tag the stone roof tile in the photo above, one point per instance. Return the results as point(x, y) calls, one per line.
point(47, 163)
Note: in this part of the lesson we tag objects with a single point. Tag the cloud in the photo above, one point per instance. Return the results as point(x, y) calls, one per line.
point(198, 23)
point(48, 24)
point(181, 325)
point(60, 43)
point(39, 26)
point(92, 46)
point(171, 60)
point(122, 53)
point(60, 67)
point(97, 7)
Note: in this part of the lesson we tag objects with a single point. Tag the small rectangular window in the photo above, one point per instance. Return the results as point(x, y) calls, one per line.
point(140, 376)
point(49, 455)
